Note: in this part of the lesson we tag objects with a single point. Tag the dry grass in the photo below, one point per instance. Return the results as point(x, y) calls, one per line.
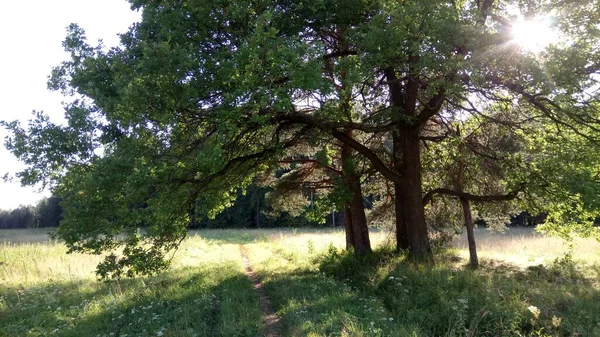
point(31, 264)
point(21, 236)
point(316, 288)
point(44, 291)
point(42, 258)
point(526, 247)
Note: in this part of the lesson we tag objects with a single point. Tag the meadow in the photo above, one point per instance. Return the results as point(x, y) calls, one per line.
point(528, 285)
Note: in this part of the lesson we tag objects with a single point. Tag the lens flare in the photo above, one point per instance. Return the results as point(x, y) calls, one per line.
point(534, 34)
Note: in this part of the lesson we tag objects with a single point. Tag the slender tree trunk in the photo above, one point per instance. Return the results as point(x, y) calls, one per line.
point(414, 214)
point(257, 209)
point(193, 219)
point(333, 219)
point(348, 228)
point(357, 231)
point(360, 230)
point(466, 206)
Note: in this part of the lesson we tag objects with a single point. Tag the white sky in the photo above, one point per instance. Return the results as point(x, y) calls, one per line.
point(31, 33)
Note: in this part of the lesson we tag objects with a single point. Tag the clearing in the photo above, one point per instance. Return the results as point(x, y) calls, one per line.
point(526, 287)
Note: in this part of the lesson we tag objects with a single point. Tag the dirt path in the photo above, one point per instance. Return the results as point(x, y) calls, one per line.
point(271, 325)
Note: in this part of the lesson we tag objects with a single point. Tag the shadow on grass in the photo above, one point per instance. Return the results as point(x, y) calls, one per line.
point(187, 302)
point(312, 304)
point(496, 300)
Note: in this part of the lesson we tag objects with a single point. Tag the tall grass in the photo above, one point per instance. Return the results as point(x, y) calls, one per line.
point(525, 247)
point(316, 288)
point(45, 292)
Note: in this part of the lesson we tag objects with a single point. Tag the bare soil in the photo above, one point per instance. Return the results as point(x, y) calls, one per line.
point(271, 325)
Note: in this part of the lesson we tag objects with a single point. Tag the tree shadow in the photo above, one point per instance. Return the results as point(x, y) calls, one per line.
point(497, 299)
point(312, 304)
point(187, 302)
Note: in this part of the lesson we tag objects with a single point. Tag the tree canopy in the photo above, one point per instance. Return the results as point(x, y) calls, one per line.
point(203, 96)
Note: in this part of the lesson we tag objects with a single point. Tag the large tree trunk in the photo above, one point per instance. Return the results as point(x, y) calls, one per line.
point(414, 215)
point(466, 206)
point(408, 148)
point(402, 242)
point(357, 230)
point(348, 227)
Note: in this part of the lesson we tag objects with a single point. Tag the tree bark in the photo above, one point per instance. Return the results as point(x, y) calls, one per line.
point(466, 206)
point(414, 214)
point(408, 148)
point(402, 242)
point(348, 227)
point(360, 230)
point(357, 231)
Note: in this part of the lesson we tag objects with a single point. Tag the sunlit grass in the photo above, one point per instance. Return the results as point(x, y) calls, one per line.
point(44, 291)
point(316, 288)
point(526, 247)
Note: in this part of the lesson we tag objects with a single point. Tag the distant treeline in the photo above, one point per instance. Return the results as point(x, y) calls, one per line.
point(46, 213)
point(249, 211)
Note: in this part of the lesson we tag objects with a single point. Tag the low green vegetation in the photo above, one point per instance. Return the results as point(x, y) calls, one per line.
point(315, 288)
point(44, 292)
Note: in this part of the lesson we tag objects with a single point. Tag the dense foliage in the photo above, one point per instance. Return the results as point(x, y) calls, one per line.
point(403, 100)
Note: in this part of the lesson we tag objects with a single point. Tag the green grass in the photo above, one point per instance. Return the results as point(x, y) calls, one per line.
point(526, 287)
point(44, 292)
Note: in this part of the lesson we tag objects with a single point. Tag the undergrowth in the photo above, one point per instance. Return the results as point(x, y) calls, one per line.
point(498, 300)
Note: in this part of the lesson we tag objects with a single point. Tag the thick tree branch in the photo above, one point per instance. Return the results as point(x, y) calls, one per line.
point(373, 158)
point(432, 107)
point(303, 118)
point(483, 7)
point(394, 86)
point(473, 197)
point(233, 163)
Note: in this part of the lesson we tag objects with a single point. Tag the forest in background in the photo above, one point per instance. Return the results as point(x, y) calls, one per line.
point(46, 213)
point(250, 210)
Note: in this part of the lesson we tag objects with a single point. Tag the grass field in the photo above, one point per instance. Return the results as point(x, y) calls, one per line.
point(527, 287)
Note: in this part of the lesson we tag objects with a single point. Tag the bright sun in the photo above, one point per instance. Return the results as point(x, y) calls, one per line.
point(534, 34)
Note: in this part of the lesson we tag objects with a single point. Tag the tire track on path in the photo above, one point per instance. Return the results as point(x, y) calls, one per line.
point(271, 326)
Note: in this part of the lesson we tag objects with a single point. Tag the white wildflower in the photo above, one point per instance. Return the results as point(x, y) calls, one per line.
point(534, 310)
